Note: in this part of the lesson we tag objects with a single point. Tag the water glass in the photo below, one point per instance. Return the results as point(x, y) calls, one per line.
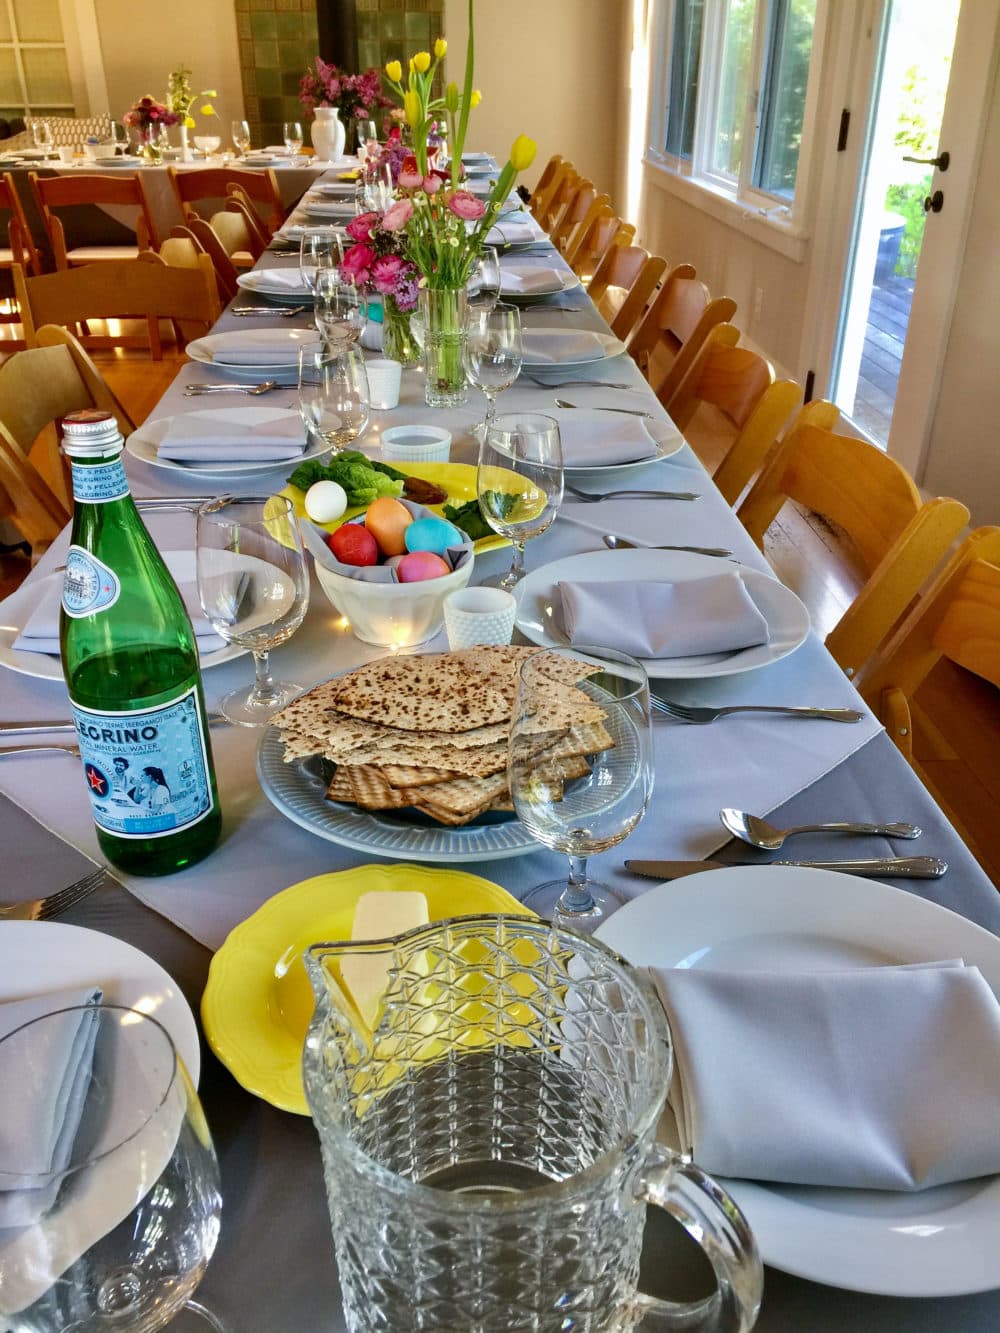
point(320, 250)
point(493, 351)
point(484, 281)
point(208, 143)
point(519, 482)
point(239, 132)
point(339, 311)
point(377, 186)
point(291, 133)
point(253, 583)
point(333, 394)
point(41, 133)
point(600, 808)
point(367, 139)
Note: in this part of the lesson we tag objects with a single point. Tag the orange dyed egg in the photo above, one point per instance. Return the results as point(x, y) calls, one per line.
point(387, 521)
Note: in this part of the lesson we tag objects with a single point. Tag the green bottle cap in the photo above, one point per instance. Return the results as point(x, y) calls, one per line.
point(90, 433)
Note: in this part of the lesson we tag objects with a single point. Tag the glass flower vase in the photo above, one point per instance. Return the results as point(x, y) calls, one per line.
point(443, 311)
point(399, 344)
point(150, 149)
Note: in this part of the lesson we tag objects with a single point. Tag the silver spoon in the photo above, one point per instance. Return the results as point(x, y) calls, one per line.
point(265, 386)
point(614, 543)
point(629, 411)
point(759, 833)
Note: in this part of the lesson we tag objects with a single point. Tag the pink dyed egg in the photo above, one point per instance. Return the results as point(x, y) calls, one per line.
point(421, 565)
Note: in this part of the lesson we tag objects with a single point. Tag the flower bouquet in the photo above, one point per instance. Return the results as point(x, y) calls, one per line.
point(354, 96)
point(377, 261)
point(149, 118)
point(180, 99)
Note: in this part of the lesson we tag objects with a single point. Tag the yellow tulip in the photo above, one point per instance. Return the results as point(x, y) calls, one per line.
point(208, 109)
point(475, 99)
point(440, 47)
point(451, 98)
point(522, 152)
point(189, 122)
point(209, 92)
point(394, 70)
point(421, 62)
point(411, 105)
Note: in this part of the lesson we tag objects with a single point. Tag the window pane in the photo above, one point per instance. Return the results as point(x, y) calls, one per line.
point(734, 83)
point(38, 20)
point(786, 73)
point(47, 76)
point(5, 32)
point(685, 60)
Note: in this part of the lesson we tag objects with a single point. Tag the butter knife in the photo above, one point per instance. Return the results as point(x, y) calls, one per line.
point(905, 867)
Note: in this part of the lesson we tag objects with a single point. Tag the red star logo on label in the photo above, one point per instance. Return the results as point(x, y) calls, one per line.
point(97, 780)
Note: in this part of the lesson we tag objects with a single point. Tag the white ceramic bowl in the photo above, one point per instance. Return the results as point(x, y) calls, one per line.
point(393, 615)
point(416, 444)
point(98, 152)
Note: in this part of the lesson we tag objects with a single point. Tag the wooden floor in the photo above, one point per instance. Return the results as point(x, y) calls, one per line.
point(885, 334)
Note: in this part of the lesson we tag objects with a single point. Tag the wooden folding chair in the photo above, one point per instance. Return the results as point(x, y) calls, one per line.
point(22, 249)
point(202, 239)
point(216, 183)
point(873, 499)
point(590, 246)
point(54, 194)
point(750, 406)
point(555, 198)
point(238, 204)
point(545, 179)
point(675, 326)
point(623, 284)
point(579, 211)
point(235, 238)
point(556, 170)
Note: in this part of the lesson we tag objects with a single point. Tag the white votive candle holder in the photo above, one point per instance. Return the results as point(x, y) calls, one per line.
point(383, 382)
point(479, 615)
point(417, 444)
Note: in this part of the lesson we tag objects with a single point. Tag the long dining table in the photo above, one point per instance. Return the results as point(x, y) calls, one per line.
point(274, 1269)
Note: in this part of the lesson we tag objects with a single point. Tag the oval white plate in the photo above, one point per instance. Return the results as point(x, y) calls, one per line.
point(256, 281)
point(562, 281)
point(203, 350)
point(144, 444)
point(668, 441)
point(44, 666)
point(937, 1242)
point(787, 618)
point(41, 956)
point(610, 347)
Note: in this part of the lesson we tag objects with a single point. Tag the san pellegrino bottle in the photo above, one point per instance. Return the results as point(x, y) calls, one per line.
point(131, 666)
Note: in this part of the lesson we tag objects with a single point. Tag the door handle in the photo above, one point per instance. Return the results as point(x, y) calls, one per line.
point(934, 202)
point(941, 162)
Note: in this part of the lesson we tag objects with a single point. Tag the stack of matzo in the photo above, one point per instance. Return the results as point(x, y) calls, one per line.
point(430, 732)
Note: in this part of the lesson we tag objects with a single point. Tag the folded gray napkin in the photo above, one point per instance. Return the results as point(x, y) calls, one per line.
point(44, 1099)
point(603, 439)
point(542, 346)
point(523, 279)
point(515, 231)
point(234, 434)
point(881, 1078)
point(653, 619)
point(272, 347)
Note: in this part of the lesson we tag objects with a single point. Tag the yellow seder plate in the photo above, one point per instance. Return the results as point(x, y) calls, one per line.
point(258, 1001)
point(458, 479)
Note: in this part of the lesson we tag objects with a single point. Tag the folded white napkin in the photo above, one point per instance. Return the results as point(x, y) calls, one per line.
point(544, 346)
point(239, 435)
point(603, 439)
point(287, 281)
point(657, 620)
point(40, 633)
point(515, 231)
point(271, 347)
point(523, 279)
point(880, 1078)
point(329, 208)
point(44, 1100)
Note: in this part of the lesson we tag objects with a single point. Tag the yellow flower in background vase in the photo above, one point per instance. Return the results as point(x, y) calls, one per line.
point(411, 105)
point(421, 62)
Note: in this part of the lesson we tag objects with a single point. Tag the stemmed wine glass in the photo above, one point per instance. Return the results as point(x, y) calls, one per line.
point(239, 132)
point(493, 351)
point(115, 1182)
point(291, 133)
point(41, 133)
point(377, 188)
point(339, 311)
point(208, 143)
point(590, 813)
point(333, 394)
point(367, 139)
point(253, 583)
point(484, 281)
point(321, 250)
point(519, 482)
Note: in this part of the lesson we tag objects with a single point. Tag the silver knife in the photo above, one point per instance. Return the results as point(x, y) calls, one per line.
point(905, 867)
point(34, 728)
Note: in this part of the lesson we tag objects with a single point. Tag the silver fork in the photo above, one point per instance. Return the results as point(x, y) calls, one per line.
point(698, 715)
point(565, 384)
point(245, 311)
point(265, 386)
point(44, 909)
point(591, 497)
point(602, 407)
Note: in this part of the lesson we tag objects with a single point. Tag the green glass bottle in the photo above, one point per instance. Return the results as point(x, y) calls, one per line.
point(131, 666)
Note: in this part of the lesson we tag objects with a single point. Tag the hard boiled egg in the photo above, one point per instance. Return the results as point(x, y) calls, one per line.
point(325, 501)
point(387, 521)
point(432, 534)
point(421, 565)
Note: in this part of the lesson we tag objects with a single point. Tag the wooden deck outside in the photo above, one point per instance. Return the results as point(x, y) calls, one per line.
point(888, 316)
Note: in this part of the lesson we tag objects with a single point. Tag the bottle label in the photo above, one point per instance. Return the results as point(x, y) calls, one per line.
point(147, 770)
point(99, 483)
point(89, 585)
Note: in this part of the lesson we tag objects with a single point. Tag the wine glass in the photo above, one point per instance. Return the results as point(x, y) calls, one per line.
point(253, 583)
point(208, 143)
point(291, 133)
point(581, 815)
point(484, 281)
point(41, 133)
point(519, 482)
point(493, 351)
point(333, 393)
point(340, 313)
point(239, 132)
point(378, 189)
point(321, 250)
point(367, 139)
point(115, 1182)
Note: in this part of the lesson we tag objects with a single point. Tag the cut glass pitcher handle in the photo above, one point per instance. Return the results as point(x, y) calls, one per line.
point(713, 1220)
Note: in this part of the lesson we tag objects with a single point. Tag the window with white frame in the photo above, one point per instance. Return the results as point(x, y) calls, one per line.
point(733, 78)
point(35, 74)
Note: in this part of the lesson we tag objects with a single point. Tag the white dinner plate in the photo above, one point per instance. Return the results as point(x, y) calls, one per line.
point(41, 956)
point(339, 210)
point(561, 280)
point(610, 346)
point(45, 666)
point(787, 618)
point(144, 443)
point(669, 441)
point(943, 1241)
point(256, 281)
point(472, 157)
point(203, 350)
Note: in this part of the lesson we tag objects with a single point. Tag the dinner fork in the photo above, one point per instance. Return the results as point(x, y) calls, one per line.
point(565, 384)
point(245, 310)
point(591, 497)
point(265, 386)
point(698, 715)
point(601, 407)
point(44, 909)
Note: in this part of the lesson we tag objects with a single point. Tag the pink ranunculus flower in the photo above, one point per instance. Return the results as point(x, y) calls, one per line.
point(397, 215)
point(358, 261)
point(410, 180)
point(432, 184)
point(466, 206)
point(359, 228)
point(385, 273)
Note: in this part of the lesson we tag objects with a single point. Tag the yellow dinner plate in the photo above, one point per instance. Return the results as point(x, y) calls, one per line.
point(458, 479)
point(258, 1001)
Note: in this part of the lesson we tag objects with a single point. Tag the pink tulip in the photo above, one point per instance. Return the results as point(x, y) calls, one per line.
point(397, 215)
point(466, 206)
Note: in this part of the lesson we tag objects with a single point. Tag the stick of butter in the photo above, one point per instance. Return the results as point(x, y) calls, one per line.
point(377, 916)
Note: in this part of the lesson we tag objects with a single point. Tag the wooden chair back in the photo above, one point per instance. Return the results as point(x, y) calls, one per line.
point(577, 214)
point(217, 182)
point(57, 192)
point(238, 204)
point(21, 242)
point(202, 239)
point(559, 194)
point(544, 192)
point(26, 498)
point(545, 179)
point(144, 288)
point(873, 499)
point(740, 385)
point(673, 329)
point(589, 246)
point(623, 284)
point(234, 237)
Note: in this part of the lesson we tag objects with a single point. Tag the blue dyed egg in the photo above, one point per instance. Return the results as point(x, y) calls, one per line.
point(432, 534)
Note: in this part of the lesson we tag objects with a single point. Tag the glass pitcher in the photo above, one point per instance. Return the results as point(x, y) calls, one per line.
point(488, 1137)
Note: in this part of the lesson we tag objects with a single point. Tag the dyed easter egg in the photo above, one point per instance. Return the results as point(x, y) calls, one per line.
point(421, 565)
point(353, 544)
point(387, 521)
point(325, 501)
point(432, 534)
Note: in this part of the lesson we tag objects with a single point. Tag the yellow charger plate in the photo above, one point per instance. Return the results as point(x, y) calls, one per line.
point(458, 479)
point(258, 1000)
